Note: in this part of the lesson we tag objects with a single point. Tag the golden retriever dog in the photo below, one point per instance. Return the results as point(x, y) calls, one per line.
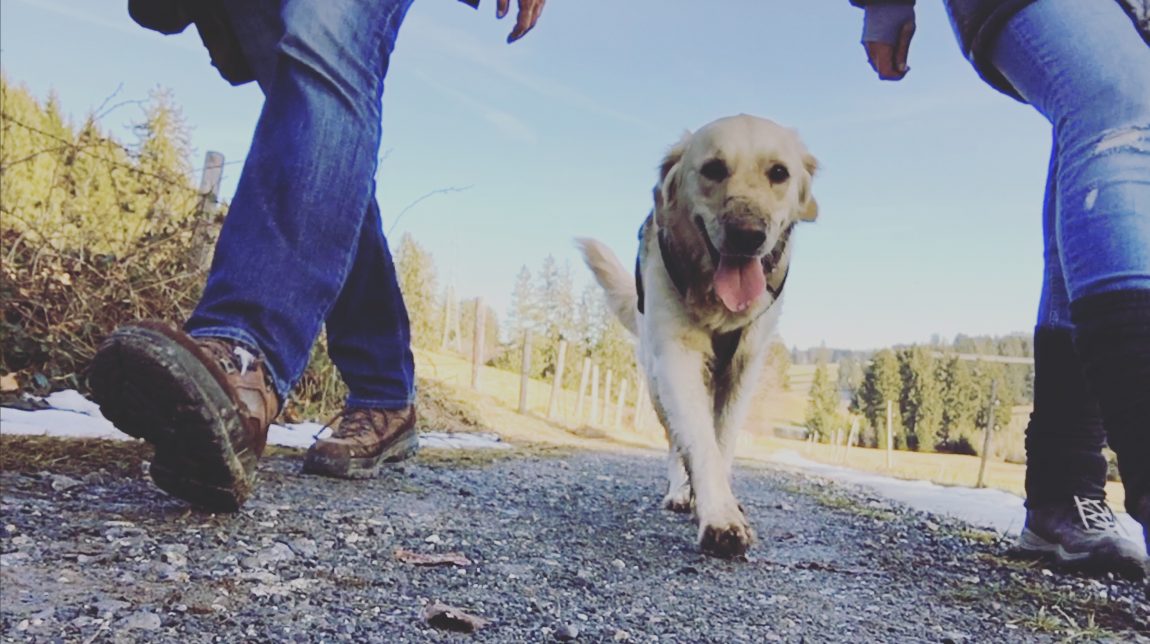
point(704, 300)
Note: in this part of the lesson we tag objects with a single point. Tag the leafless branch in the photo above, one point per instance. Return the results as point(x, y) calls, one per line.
point(440, 191)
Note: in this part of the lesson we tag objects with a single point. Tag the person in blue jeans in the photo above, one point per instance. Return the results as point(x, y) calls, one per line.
point(1085, 67)
point(302, 247)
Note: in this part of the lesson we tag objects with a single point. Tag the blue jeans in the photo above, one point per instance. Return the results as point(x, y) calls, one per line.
point(1085, 68)
point(302, 244)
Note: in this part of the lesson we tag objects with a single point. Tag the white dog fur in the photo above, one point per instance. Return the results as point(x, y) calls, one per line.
point(705, 297)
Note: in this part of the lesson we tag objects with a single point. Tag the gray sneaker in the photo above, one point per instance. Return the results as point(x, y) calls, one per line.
point(1142, 514)
point(1081, 535)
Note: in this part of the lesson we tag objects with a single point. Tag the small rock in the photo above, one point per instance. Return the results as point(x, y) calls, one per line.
point(304, 547)
point(621, 636)
point(13, 558)
point(274, 554)
point(567, 633)
point(140, 621)
point(436, 539)
point(61, 482)
point(108, 607)
point(618, 564)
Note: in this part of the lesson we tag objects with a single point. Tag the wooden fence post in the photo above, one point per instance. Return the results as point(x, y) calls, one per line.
point(603, 417)
point(557, 383)
point(477, 343)
point(445, 337)
point(640, 408)
point(525, 372)
point(889, 433)
point(582, 390)
point(851, 438)
point(204, 235)
point(594, 394)
point(618, 420)
point(986, 436)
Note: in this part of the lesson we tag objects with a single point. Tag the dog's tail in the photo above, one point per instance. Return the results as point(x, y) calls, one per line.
point(619, 284)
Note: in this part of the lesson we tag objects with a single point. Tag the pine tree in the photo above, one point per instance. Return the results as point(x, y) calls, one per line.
point(881, 382)
point(555, 295)
point(524, 312)
point(960, 404)
point(822, 408)
point(415, 268)
point(779, 366)
point(920, 401)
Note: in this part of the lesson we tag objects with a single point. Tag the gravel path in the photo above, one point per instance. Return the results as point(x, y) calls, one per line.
point(560, 548)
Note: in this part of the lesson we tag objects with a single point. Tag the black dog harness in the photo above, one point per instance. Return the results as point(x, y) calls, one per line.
point(675, 269)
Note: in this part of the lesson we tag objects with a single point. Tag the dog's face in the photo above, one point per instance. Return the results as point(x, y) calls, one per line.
point(743, 182)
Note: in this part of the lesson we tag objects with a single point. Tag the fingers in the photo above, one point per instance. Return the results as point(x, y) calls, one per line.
point(501, 8)
point(881, 57)
point(529, 12)
point(903, 49)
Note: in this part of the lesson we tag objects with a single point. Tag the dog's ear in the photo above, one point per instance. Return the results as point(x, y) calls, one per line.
point(807, 203)
point(666, 188)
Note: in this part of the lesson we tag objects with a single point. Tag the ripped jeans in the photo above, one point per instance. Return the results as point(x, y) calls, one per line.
point(1085, 68)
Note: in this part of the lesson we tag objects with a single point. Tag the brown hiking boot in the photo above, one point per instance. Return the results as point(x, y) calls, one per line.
point(364, 440)
point(205, 404)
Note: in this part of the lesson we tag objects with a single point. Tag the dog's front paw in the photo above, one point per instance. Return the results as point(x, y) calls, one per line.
point(726, 539)
point(679, 500)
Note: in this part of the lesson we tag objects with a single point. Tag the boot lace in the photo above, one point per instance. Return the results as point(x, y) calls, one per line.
point(232, 358)
point(352, 422)
point(1095, 514)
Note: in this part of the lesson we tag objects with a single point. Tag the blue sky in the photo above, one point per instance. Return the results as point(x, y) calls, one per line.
point(930, 189)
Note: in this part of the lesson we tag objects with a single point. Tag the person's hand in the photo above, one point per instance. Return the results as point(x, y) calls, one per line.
point(889, 60)
point(529, 11)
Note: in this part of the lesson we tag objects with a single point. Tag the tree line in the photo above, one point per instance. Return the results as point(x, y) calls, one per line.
point(95, 231)
point(938, 400)
point(544, 304)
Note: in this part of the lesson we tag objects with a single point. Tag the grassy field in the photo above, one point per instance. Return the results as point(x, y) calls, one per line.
point(497, 400)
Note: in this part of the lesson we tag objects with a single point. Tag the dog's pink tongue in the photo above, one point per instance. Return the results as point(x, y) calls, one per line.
point(739, 281)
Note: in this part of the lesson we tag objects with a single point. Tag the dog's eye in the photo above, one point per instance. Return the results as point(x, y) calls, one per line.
point(778, 173)
point(715, 170)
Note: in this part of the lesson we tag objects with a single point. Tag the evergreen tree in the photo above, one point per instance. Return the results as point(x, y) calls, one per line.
point(850, 373)
point(779, 366)
point(162, 153)
point(555, 295)
point(415, 268)
point(524, 313)
point(960, 405)
point(881, 382)
point(920, 401)
point(822, 408)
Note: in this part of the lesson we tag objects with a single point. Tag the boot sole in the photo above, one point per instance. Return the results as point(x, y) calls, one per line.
point(1100, 561)
point(402, 448)
point(151, 385)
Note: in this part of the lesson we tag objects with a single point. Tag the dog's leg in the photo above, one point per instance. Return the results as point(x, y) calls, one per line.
point(678, 497)
point(687, 403)
point(733, 397)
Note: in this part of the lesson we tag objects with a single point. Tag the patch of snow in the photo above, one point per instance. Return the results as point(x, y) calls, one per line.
point(987, 508)
point(74, 416)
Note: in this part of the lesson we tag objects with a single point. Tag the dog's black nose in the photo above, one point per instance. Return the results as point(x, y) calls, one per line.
point(740, 240)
